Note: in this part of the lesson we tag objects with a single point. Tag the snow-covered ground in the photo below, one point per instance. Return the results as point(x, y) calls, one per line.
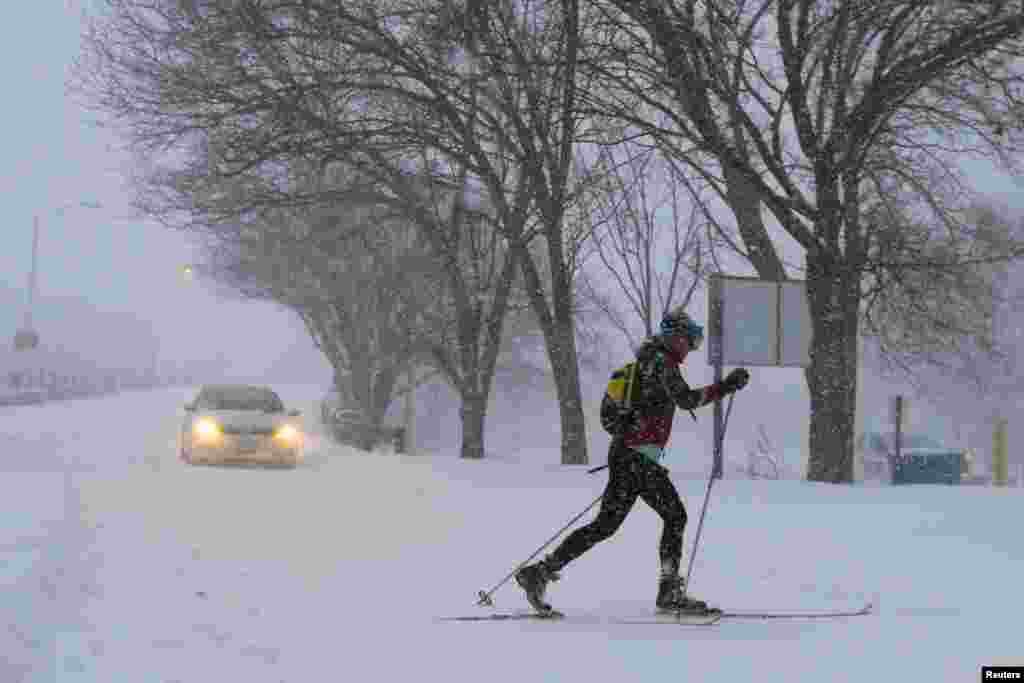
point(121, 564)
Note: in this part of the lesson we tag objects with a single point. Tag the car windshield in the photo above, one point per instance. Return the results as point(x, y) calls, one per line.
point(240, 398)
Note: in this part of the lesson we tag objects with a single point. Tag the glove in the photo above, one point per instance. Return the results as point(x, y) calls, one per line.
point(736, 380)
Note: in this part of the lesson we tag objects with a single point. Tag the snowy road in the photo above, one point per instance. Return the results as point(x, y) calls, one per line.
point(43, 579)
point(120, 564)
point(103, 537)
point(40, 539)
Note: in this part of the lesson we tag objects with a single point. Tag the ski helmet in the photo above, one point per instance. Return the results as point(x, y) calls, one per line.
point(677, 323)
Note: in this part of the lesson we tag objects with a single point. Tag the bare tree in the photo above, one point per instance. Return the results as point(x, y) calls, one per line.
point(763, 457)
point(970, 375)
point(927, 306)
point(295, 123)
point(489, 87)
point(477, 273)
point(804, 107)
point(526, 56)
point(648, 239)
point(355, 277)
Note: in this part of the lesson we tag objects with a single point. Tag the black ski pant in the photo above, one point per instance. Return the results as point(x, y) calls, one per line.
point(631, 475)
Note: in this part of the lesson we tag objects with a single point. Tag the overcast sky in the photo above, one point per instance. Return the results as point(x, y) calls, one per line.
point(52, 157)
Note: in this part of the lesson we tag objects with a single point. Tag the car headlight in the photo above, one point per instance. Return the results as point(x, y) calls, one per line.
point(287, 433)
point(206, 429)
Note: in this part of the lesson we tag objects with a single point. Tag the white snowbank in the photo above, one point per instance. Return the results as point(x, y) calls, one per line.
point(338, 570)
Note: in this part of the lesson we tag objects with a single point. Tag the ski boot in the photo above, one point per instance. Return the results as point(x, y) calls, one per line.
point(672, 600)
point(534, 579)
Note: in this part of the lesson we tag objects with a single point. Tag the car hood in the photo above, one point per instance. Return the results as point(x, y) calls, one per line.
point(246, 420)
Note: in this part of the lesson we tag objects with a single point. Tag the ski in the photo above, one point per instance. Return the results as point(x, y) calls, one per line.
point(709, 619)
point(677, 620)
point(553, 615)
point(827, 614)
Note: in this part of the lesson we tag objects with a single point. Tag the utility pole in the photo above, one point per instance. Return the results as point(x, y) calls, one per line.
point(32, 273)
point(27, 338)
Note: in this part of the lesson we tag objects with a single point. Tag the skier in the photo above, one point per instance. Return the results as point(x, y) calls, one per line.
point(633, 463)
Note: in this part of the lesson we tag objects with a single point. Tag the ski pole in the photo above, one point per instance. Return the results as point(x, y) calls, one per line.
point(485, 596)
point(707, 495)
point(594, 470)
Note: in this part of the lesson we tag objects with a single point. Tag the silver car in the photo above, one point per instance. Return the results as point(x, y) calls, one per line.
point(235, 423)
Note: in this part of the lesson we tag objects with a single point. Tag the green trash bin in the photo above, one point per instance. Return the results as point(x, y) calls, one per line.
point(928, 468)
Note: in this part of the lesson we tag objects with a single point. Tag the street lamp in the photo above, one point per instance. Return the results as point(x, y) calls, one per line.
point(27, 338)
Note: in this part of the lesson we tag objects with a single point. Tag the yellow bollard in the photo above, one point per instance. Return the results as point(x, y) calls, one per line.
point(1000, 465)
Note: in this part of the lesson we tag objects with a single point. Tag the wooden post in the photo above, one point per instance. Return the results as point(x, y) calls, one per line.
point(1000, 464)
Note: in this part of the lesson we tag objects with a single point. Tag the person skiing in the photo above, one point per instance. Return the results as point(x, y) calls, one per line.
point(634, 467)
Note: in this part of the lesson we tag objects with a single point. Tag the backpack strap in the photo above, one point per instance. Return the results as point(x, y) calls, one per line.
point(629, 386)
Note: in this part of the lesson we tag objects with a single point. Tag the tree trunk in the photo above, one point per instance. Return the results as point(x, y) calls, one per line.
point(383, 390)
point(567, 377)
point(560, 342)
point(833, 297)
point(567, 387)
point(742, 198)
point(473, 412)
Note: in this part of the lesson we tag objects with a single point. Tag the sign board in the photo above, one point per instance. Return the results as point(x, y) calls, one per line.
point(755, 322)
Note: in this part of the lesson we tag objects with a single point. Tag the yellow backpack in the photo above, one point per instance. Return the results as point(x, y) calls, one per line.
point(624, 388)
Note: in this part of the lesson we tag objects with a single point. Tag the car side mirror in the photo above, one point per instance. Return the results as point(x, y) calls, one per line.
point(294, 413)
